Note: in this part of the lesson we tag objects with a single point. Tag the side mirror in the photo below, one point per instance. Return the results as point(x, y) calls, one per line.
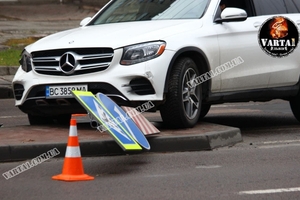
point(85, 21)
point(232, 15)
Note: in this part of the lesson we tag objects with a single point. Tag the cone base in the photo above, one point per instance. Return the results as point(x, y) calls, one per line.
point(66, 177)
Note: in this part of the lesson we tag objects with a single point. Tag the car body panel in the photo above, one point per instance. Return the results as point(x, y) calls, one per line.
point(105, 35)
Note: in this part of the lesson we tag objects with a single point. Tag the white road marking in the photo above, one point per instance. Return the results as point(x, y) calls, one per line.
point(208, 166)
point(235, 105)
point(270, 191)
point(281, 141)
point(7, 117)
point(160, 175)
point(278, 146)
point(249, 104)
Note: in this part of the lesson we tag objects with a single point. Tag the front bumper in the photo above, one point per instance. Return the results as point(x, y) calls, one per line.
point(127, 85)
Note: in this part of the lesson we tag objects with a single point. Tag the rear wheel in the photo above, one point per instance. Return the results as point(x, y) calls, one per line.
point(295, 106)
point(183, 103)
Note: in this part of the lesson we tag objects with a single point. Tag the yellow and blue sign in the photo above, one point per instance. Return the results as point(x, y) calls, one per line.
point(106, 112)
point(124, 120)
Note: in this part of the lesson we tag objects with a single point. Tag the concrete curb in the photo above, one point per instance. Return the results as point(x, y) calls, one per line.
point(4, 71)
point(207, 141)
point(5, 82)
point(6, 92)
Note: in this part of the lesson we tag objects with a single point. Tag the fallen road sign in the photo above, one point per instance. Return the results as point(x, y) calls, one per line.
point(124, 120)
point(103, 116)
point(145, 126)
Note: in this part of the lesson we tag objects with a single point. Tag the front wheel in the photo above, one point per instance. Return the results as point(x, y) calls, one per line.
point(183, 103)
point(204, 110)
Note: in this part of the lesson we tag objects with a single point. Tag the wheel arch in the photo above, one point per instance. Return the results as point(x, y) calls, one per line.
point(201, 61)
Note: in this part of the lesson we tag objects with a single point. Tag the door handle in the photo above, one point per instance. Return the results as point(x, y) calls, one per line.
point(257, 24)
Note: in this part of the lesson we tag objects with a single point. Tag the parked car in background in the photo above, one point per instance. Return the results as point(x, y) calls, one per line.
point(182, 55)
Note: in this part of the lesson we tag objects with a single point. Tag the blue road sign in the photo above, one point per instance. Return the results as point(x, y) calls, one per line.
point(104, 117)
point(124, 120)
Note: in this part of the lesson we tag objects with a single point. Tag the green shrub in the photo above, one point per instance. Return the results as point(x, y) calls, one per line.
point(11, 55)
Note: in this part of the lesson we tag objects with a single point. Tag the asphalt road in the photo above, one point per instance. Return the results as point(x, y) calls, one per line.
point(257, 173)
point(11, 115)
point(264, 166)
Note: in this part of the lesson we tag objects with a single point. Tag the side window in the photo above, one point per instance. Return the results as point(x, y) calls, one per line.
point(270, 7)
point(293, 6)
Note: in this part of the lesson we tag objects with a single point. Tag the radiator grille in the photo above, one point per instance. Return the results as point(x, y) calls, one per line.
point(88, 60)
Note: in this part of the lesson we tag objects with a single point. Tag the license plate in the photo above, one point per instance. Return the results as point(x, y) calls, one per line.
point(63, 90)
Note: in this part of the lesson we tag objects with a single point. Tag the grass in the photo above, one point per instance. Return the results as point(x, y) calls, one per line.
point(11, 55)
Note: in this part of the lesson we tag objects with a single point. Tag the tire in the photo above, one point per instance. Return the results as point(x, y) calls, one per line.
point(183, 103)
point(39, 120)
point(295, 107)
point(204, 110)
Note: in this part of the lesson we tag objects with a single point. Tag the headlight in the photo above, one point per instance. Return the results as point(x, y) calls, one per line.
point(25, 61)
point(142, 52)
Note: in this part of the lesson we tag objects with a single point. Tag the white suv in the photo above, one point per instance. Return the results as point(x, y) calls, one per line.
point(182, 55)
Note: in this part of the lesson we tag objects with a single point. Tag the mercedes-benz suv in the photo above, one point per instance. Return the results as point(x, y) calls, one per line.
point(182, 55)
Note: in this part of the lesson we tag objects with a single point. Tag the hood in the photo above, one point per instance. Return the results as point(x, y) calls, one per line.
point(114, 35)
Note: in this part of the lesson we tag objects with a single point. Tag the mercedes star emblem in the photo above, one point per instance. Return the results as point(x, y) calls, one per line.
point(68, 63)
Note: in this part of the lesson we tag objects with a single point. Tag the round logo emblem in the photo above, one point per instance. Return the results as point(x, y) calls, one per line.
point(278, 36)
point(68, 63)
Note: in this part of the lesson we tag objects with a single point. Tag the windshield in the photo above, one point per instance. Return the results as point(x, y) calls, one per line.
point(141, 10)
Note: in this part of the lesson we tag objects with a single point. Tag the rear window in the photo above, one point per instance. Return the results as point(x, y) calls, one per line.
point(293, 6)
point(273, 7)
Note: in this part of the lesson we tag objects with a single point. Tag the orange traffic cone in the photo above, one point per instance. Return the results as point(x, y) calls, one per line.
point(73, 168)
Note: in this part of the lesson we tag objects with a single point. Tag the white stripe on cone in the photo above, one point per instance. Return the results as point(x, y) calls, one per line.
point(73, 152)
point(73, 131)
